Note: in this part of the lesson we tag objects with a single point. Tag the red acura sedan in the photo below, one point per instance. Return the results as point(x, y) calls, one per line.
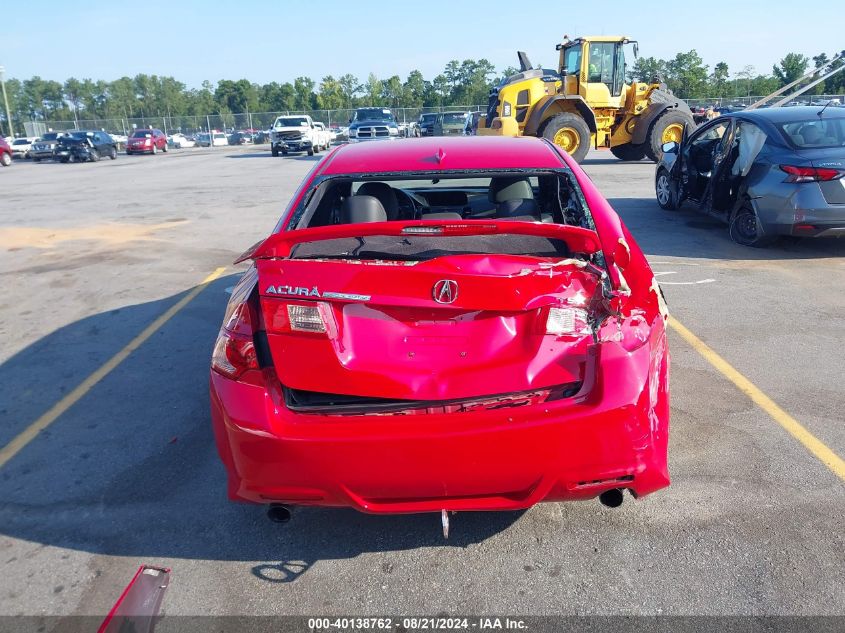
point(443, 324)
point(146, 141)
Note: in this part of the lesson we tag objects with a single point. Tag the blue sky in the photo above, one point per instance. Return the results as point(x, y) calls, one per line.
point(277, 41)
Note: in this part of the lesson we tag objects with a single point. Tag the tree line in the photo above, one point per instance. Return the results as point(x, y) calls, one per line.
point(690, 78)
point(462, 83)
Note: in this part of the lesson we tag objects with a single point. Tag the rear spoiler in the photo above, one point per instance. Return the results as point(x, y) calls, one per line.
point(580, 240)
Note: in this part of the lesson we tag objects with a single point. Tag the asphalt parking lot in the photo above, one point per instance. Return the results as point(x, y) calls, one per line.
point(92, 254)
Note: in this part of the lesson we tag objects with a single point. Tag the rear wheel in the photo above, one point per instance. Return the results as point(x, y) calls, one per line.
point(628, 151)
point(5, 160)
point(113, 153)
point(666, 190)
point(668, 127)
point(155, 149)
point(164, 148)
point(745, 228)
point(569, 132)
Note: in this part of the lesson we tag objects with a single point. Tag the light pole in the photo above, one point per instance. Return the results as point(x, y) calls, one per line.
point(6, 100)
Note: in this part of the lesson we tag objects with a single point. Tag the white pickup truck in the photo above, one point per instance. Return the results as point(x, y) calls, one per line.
point(298, 133)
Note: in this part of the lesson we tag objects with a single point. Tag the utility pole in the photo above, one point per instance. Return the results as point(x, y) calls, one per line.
point(6, 101)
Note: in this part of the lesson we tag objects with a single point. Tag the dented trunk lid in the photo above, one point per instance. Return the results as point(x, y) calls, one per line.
point(392, 333)
point(389, 337)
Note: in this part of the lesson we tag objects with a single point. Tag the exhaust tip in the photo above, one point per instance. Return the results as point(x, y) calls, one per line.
point(612, 498)
point(278, 513)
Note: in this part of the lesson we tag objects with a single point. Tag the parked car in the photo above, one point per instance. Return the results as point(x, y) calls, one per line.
point(180, 141)
point(43, 148)
point(146, 141)
point(426, 123)
point(240, 138)
point(448, 324)
point(81, 146)
point(373, 124)
point(21, 147)
point(5, 153)
point(449, 124)
point(219, 139)
point(324, 137)
point(765, 173)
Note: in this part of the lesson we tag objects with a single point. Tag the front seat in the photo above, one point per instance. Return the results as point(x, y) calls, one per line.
point(385, 194)
point(509, 188)
point(358, 209)
point(501, 189)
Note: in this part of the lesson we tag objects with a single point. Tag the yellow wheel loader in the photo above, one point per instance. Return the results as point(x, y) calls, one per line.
point(587, 103)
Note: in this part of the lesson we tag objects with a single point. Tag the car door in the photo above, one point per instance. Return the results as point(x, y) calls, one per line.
point(101, 143)
point(700, 154)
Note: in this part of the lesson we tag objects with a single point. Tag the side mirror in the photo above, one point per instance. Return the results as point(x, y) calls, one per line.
point(670, 148)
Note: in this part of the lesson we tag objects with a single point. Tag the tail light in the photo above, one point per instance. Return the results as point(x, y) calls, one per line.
point(234, 352)
point(305, 318)
point(568, 322)
point(810, 174)
point(308, 317)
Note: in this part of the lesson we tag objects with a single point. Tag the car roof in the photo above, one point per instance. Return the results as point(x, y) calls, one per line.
point(792, 113)
point(449, 154)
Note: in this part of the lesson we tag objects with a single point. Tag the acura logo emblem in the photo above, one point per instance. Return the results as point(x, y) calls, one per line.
point(445, 291)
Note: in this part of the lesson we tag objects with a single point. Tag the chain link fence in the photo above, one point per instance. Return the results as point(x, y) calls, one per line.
point(804, 99)
point(263, 120)
point(247, 121)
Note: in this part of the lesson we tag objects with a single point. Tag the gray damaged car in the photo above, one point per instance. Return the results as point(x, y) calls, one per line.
point(766, 173)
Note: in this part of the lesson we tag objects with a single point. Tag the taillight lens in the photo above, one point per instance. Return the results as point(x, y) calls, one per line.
point(568, 322)
point(233, 354)
point(312, 317)
point(810, 174)
point(305, 318)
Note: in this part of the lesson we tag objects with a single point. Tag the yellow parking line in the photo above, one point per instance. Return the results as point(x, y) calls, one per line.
point(813, 444)
point(31, 432)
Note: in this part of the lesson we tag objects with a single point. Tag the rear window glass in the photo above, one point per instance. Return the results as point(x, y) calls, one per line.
point(815, 133)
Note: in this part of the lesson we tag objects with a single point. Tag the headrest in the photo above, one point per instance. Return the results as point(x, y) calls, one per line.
point(517, 207)
point(385, 194)
point(358, 209)
point(508, 188)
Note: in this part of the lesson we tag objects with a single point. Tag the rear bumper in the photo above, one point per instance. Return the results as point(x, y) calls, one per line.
point(804, 212)
point(611, 435)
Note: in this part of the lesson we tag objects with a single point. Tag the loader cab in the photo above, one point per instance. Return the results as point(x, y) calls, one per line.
point(594, 68)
